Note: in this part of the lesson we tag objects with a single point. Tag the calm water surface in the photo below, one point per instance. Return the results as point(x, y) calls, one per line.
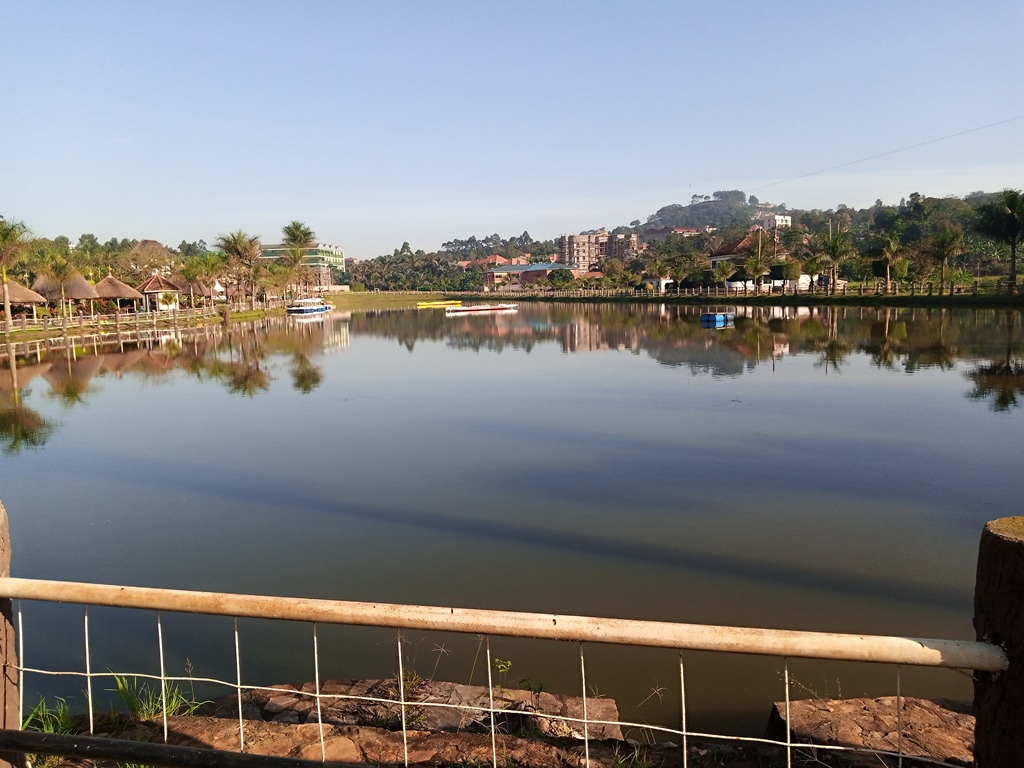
point(808, 469)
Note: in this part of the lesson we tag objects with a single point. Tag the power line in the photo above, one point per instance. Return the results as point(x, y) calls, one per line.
point(890, 152)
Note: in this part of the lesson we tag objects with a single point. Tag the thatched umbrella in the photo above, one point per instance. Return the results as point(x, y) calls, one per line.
point(21, 295)
point(74, 287)
point(112, 288)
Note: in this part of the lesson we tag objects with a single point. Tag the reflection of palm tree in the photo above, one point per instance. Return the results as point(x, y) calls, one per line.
point(22, 427)
point(1003, 380)
point(939, 354)
point(305, 376)
point(247, 380)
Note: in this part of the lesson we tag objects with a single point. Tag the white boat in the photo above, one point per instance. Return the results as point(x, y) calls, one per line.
point(468, 308)
point(304, 307)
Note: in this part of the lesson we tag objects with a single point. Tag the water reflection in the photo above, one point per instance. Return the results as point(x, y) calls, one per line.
point(1000, 381)
point(910, 340)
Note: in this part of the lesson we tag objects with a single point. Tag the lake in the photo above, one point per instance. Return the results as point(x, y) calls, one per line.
point(821, 469)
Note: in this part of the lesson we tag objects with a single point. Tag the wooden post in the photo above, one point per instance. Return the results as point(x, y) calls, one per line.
point(999, 619)
point(9, 700)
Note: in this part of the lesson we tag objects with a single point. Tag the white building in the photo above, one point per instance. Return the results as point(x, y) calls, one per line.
point(775, 220)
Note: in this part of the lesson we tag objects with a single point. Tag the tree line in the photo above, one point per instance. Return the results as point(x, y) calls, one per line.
point(922, 238)
point(235, 261)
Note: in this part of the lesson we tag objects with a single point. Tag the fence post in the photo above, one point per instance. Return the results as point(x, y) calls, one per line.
point(999, 619)
point(9, 707)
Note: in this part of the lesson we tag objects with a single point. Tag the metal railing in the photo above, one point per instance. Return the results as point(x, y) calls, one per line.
point(582, 630)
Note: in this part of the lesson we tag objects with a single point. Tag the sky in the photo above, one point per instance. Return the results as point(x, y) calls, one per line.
point(381, 122)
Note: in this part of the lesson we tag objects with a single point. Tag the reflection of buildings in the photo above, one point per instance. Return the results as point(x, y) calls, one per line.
point(336, 333)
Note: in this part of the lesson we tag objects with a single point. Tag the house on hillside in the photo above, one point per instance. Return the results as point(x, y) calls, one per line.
point(519, 275)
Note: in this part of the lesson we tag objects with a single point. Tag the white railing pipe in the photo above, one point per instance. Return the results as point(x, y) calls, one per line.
point(699, 637)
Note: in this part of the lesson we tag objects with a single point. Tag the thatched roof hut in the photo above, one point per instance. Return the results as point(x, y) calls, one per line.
point(19, 294)
point(75, 287)
point(112, 288)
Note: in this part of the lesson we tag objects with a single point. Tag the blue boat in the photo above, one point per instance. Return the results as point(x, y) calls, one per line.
point(309, 307)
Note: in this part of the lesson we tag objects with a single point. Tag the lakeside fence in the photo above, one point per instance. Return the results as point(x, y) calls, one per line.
point(999, 685)
point(719, 290)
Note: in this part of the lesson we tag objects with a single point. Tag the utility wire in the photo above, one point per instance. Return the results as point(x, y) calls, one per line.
point(890, 152)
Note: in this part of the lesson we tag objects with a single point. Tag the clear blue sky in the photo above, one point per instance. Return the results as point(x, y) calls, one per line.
point(380, 122)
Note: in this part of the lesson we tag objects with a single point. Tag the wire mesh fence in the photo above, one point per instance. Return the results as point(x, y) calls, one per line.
point(404, 704)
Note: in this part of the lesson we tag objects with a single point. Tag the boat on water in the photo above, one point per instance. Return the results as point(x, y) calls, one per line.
point(309, 307)
point(463, 309)
point(438, 304)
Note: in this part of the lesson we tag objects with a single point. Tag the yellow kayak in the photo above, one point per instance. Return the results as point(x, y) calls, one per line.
point(435, 304)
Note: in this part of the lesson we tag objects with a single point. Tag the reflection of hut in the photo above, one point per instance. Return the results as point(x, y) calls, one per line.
point(25, 374)
point(74, 287)
point(159, 293)
point(112, 288)
point(70, 380)
point(118, 362)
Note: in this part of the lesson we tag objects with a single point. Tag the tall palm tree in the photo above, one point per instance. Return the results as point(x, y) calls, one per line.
point(191, 271)
point(946, 245)
point(298, 238)
point(211, 267)
point(758, 262)
point(244, 251)
point(14, 238)
point(1003, 220)
point(62, 270)
point(889, 244)
point(835, 247)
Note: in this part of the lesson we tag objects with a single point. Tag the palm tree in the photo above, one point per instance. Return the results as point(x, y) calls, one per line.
point(244, 250)
point(835, 248)
point(14, 238)
point(62, 270)
point(191, 272)
point(946, 245)
point(211, 266)
point(889, 245)
point(298, 238)
point(758, 262)
point(1003, 221)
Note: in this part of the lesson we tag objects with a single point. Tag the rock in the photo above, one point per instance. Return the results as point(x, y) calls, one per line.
point(939, 730)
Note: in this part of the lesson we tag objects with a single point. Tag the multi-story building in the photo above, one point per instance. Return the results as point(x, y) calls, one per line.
point(582, 251)
point(622, 246)
point(775, 220)
point(319, 259)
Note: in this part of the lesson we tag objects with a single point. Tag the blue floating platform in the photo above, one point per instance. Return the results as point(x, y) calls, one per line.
point(717, 319)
